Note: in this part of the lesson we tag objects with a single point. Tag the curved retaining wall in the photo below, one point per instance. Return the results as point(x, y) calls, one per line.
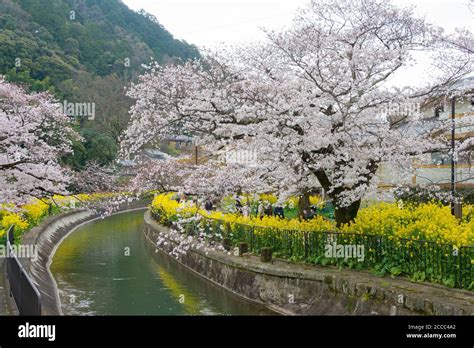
point(47, 237)
point(313, 290)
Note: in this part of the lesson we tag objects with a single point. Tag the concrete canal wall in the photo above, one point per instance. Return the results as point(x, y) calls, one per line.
point(299, 289)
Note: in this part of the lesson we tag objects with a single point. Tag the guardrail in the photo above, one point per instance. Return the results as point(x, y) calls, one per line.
point(25, 293)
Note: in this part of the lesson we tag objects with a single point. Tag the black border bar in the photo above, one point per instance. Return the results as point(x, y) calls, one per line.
point(242, 330)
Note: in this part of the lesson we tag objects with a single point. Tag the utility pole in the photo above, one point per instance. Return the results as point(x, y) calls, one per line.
point(453, 173)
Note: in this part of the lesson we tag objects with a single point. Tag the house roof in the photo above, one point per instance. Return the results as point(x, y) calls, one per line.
point(156, 154)
point(179, 138)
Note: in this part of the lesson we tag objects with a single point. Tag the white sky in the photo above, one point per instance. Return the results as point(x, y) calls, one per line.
point(209, 23)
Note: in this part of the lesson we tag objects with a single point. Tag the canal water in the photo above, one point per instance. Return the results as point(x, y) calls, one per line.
point(106, 267)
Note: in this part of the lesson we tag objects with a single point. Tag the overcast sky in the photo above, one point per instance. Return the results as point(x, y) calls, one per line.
point(208, 23)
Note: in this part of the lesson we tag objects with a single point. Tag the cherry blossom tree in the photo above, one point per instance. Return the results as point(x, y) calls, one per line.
point(210, 179)
point(95, 178)
point(34, 134)
point(165, 176)
point(312, 99)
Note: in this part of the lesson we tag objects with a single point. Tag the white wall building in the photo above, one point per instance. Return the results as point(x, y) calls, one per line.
point(436, 168)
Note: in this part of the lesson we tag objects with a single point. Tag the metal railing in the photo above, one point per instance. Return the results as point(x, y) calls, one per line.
point(24, 291)
point(420, 260)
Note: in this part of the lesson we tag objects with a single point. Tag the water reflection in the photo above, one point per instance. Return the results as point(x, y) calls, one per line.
point(106, 267)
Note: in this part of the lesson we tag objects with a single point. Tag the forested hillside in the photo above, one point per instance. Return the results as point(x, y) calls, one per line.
point(84, 51)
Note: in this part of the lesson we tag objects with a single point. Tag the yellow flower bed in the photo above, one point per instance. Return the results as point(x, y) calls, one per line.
point(71, 201)
point(8, 219)
point(30, 214)
point(468, 212)
point(316, 224)
point(428, 221)
point(269, 198)
point(171, 210)
point(313, 200)
point(35, 210)
point(316, 200)
point(431, 222)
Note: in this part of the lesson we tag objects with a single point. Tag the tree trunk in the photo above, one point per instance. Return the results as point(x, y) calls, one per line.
point(346, 214)
point(303, 204)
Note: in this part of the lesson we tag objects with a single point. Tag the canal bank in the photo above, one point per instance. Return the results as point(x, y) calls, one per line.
point(280, 286)
point(46, 237)
point(313, 290)
point(106, 267)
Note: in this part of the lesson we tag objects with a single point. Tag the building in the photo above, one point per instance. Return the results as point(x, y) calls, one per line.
point(436, 167)
point(180, 142)
point(156, 155)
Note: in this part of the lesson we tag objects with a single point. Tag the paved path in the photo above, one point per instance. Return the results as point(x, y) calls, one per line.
point(4, 310)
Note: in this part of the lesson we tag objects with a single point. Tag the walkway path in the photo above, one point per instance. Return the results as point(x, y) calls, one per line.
point(4, 309)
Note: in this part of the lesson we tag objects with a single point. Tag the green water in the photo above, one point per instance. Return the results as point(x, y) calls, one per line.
point(106, 267)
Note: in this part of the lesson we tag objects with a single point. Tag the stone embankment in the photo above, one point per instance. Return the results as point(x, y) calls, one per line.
point(299, 289)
